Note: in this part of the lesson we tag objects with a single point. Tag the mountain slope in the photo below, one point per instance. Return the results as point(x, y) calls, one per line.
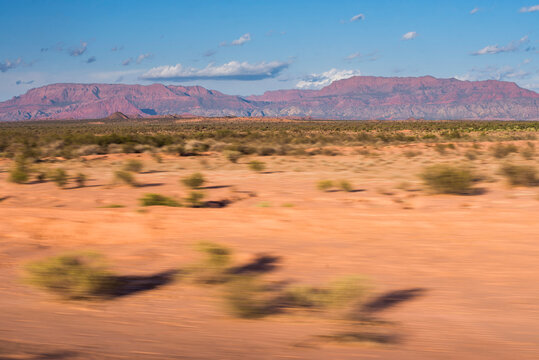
point(360, 97)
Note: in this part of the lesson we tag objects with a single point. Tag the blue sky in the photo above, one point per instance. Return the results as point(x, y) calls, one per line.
point(248, 47)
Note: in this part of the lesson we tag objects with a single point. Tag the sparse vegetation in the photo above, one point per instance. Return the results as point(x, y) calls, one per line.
point(194, 181)
point(158, 200)
point(257, 166)
point(73, 276)
point(345, 185)
point(125, 177)
point(59, 176)
point(133, 165)
point(81, 179)
point(502, 150)
point(232, 156)
point(520, 175)
point(212, 269)
point(324, 185)
point(448, 179)
point(19, 174)
point(194, 199)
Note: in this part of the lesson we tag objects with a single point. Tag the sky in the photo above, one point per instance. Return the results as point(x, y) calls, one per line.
point(247, 47)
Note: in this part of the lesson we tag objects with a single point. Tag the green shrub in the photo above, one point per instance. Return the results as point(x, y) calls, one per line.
point(500, 150)
point(232, 156)
point(324, 185)
point(338, 293)
point(194, 181)
point(41, 176)
point(59, 177)
point(247, 297)
point(158, 200)
point(213, 268)
point(72, 276)
point(345, 185)
point(194, 199)
point(133, 166)
point(520, 175)
point(125, 177)
point(19, 174)
point(266, 151)
point(80, 179)
point(157, 158)
point(447, 179)
point(257, 166)
point(112, 206)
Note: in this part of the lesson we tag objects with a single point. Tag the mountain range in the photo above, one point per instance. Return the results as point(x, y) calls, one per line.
point(359, 97)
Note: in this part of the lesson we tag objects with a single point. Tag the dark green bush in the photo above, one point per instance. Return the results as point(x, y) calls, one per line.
point(520, 175)
point(125, 177)
point(194, 199)
point(257, 166)
point(194, 181)
point(59, 177)
point(448, 179)
point(158, 200)
point(133, 166)
point(72, 276)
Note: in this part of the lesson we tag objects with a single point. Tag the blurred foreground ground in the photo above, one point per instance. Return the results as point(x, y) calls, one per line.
point(468, 263)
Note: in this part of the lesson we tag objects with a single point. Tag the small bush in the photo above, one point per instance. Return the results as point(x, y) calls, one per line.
point(338, 293)
point(41, 176)
point(59, 177)
point(80, 179)
point(194, 199)
point(194, 181)
point(266, 151)
point(247, 297)
point(133, 166)
point(257, 166)
point(345, 185)
point(471, 155)
point(411, 153)
point(125, 177)
point(158, 200)
point(520, 175)
point(448, 179)
point(232, 156)
point(112, 206)
point(19, 174)
point(157, 158)
point(77, 276)
point(528, 152)
point(500, 150)
point(213, 268)
point(324, 185)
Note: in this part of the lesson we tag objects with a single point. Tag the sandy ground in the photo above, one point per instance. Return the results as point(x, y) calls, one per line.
point(461, 271)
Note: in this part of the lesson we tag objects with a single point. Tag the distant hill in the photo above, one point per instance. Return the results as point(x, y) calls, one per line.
point(360, 97)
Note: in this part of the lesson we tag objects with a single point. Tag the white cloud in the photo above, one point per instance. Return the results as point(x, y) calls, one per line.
point(474, 10)
point(232, 70)
point(495, 49)
point(80, 50)
point(357, 17)
point(317, 81)
point(527, 9)
point(127, 61)
point(526, 61)
point(8, 65)
point(141, 57)
point(409, 35)
point(240, 41)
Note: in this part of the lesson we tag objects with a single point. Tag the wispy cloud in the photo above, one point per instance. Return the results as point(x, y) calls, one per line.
point(474, 10)
point(79, 50)
point(353, 56)
point(240, 41)
point(142, 57)
point(9, 65)
point(527, 9)
point(91, 59)
point(232, 70)
point(409, 35)
point(117, 48)
point(357, 17)
point(317, 81)
point(496, 49)
point(21, 82)
point(504, 73)
point(137, 60)
point(209, 53)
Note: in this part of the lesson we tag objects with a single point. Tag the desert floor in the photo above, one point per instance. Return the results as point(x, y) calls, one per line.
point(457, 277)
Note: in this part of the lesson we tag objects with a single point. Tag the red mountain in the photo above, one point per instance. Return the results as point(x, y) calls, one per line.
point(360, 97)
